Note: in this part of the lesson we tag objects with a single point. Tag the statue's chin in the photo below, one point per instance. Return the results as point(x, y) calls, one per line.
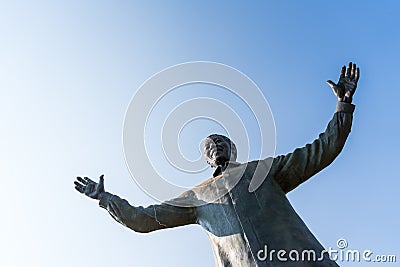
point(220, 161)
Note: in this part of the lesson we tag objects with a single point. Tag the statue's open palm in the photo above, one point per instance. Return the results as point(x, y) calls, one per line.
point(90, 188)
point(346, 87)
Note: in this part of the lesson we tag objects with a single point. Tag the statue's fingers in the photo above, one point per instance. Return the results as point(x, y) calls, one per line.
point(78, 183)
point(333, 87)
point(357, 75)
point(343, 72)
point(348, 73)
point(100, 185)
point(353, 71)
point(80, 190)
point(79, 187)
point(88, 180)
point(81, 180)
point(330, 83)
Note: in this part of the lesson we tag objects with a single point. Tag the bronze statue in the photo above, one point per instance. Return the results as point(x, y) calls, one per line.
point(257, 228)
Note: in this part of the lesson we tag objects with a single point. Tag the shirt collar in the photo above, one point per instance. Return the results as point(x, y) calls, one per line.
point(231, 164)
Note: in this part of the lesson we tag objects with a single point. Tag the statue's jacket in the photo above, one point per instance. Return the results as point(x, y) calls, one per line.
point(247, 227)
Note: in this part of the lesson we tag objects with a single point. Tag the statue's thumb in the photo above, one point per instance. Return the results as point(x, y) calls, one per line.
point(330, 83)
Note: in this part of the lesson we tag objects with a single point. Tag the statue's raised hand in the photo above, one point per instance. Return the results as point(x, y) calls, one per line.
point(345, 88)
point(90, 188)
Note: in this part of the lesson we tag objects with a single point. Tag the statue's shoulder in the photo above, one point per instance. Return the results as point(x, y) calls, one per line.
point(208, 181)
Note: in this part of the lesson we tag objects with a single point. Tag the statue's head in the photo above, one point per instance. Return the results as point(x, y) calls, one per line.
point(219, 149)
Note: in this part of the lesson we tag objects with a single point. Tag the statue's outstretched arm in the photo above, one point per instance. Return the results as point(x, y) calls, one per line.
point(139, 219)
point(294, 168)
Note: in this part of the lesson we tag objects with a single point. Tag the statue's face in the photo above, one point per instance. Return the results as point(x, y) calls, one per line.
point(217, 150)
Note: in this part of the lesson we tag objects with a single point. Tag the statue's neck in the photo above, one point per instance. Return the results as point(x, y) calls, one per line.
point(223, 167)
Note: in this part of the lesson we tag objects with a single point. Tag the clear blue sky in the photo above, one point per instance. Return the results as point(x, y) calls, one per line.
point(68, 70)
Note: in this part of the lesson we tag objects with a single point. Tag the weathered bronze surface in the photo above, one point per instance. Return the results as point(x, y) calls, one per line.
point(242, 225)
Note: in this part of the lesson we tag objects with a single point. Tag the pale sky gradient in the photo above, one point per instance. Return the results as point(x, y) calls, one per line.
point(68, 70)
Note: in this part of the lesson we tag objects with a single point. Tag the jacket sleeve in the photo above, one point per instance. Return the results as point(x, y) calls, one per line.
point(295, 168)
point(149, 219)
